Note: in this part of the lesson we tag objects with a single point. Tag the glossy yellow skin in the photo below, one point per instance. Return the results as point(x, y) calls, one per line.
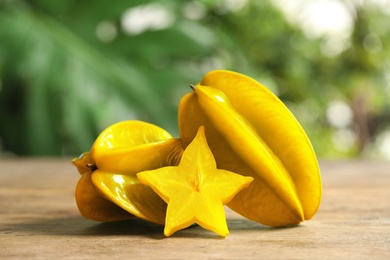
point(195, 190)
point(121, 151)
point(91, 204)
point(251, 132)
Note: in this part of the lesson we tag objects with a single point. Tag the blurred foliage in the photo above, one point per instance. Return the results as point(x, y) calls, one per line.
point(68, 69)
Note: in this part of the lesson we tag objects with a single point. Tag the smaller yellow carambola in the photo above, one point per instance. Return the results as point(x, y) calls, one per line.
point(195, 190)
point(109, 189)
point(251, 132)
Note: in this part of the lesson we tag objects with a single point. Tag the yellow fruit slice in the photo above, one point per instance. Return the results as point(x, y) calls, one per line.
point(195, 190)
point(275, 150)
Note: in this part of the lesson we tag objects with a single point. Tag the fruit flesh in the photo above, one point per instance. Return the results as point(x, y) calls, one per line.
point(195, 190)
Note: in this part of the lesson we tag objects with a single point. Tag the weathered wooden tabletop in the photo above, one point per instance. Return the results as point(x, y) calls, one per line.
point(39, 220)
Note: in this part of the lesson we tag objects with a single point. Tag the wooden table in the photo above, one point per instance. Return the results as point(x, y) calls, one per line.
point(39, 220)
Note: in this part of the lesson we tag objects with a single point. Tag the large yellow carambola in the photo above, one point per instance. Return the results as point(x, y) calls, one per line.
point(251, 132)
point(109, 189)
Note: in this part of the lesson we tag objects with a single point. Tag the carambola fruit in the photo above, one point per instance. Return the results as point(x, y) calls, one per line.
point(251, 132)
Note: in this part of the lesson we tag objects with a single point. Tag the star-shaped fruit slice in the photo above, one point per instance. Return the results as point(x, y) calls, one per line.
point(195, 190)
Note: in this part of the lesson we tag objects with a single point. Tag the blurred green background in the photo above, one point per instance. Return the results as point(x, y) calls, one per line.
point(68, 68)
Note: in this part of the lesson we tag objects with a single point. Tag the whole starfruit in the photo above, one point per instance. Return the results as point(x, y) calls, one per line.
point(251, 132)
point(109, 189)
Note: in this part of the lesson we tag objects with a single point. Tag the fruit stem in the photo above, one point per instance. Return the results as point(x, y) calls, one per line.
point(93, 167)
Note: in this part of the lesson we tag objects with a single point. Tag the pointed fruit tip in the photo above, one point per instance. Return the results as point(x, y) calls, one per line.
point(168, 233)
point(222, 233)
point(201, 129)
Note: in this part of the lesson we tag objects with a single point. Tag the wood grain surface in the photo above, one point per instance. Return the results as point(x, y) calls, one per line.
point(39, 220)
